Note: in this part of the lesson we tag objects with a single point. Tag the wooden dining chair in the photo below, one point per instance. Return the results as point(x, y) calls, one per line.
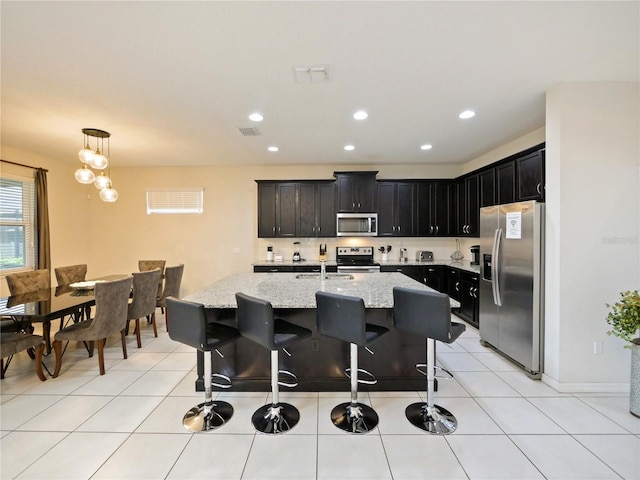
point(145, 265)
point(112, 300)
point(144, 300)
point(68, 275)
point(12, 343)
point(31, 281)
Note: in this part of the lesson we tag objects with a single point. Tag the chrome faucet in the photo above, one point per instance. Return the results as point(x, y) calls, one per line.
point(323, 270)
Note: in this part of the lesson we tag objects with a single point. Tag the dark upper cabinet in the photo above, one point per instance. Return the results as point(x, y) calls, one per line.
point(355, 191)
point(316, 210)
point(468, 208)
point(396, 209)
point(530, 175)
point(506, 183)
point(276, 209)
point(434, 208)
point(487, 184)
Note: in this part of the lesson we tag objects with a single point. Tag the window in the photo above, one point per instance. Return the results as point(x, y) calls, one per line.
point(175, 201)
point(17, 224)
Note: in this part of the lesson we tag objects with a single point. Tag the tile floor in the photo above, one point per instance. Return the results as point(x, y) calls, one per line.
point(128, 424)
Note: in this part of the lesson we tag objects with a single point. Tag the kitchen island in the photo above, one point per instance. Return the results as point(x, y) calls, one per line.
point(319, 361)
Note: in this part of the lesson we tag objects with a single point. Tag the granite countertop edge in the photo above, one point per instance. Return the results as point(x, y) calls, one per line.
point(459, 264)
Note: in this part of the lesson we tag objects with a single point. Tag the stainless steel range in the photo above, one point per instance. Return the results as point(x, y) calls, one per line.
point(356, 260)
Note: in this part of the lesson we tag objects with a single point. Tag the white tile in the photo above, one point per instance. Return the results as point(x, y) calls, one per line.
point(528, 387)
point(144, 456)
point(617, 409)
point(21, 449)
point(447, 387)
point(485, 384)
point(140, 361)
point(562, 457)
point(421, 457)
point(187, 386)
point(352, 457)
point(411, 395)
point(64, 384)
point(122, 414)
point(78, 455)
point(162, 344)
point(518, 415)
point(67, 415)
point(575, 416)
point(177, 361)
point(111, 383)
point(155, 383)
point(4, 398)
point(496, 362)
point(472, 345)
point(282, 457)
point(491, 457)
point(620, 452)
point(392, 419)
point(472, 419)
point(19, 382)
point(213, 456)
point(20, 409)
point(167, 416)
point(461, 362)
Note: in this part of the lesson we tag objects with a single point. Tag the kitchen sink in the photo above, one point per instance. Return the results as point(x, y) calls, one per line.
point(330, 276)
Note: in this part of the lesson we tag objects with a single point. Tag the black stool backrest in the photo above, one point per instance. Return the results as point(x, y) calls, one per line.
point(423, 312)
point(188, 323)
point(341, 317)
point(255, 320)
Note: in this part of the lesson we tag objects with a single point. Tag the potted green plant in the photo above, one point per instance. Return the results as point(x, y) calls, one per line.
point(624, 318)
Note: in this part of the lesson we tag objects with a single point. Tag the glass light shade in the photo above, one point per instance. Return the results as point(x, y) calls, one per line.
point(108, 194)
point(84, 175)
point(102, 181)
point(99, 161)
point(85, 154)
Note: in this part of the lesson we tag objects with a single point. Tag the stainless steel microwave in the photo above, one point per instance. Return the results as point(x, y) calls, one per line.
point(356, 224)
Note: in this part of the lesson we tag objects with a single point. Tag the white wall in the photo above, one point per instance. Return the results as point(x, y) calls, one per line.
point(592, 229)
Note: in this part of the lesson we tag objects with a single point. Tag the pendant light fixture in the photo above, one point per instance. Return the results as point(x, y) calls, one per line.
point(96, 160)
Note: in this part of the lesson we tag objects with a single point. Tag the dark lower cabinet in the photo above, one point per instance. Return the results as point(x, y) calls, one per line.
point(292, 268)
point(463, 286)
point(433, 276)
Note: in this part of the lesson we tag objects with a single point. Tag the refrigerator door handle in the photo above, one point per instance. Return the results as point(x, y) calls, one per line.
point(495, 267)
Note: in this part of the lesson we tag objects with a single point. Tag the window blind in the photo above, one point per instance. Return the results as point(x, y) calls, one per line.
point(175, 201)
point(17, 223)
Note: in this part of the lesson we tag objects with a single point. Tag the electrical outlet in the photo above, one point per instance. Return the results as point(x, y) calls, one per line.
point(597, 348)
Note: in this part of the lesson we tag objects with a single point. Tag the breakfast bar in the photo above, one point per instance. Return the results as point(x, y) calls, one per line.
point(319, 361)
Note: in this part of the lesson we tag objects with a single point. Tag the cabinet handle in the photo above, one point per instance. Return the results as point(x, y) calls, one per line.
point(353, 205)
point(319, 228)
point(539, 188)
point(457, 286)
point(437, 228)
point(393, 228)
point(274, 230)
point(431, 229)
point(358, 204)
point(398, 228)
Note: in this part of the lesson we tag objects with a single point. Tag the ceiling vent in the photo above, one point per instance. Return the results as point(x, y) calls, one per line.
point(249, 131)
point(311, 74)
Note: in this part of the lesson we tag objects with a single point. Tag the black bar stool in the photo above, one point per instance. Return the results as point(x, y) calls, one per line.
point(343, 317)
point(190, 326)
point(257, 323)
point(427, 313)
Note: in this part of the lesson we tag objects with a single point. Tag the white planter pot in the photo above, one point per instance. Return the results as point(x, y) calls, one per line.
point(634, 403)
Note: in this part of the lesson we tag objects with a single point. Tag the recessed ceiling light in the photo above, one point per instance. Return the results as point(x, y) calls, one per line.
point(349, 147)
point(256, 117)
point(467, 114)
point(426, 147)
point(360, 115)
point(273, 149)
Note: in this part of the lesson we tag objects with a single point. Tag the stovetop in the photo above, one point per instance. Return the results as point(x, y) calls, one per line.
point(355, 256)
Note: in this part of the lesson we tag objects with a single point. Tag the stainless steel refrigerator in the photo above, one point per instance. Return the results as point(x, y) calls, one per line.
point(512, 282)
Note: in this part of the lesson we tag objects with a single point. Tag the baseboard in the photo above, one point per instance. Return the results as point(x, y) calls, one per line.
point(569, 387)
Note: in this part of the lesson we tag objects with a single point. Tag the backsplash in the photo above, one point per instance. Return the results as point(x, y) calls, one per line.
point(309, 248)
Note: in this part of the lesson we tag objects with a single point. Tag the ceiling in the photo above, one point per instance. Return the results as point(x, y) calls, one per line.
point(173, 81)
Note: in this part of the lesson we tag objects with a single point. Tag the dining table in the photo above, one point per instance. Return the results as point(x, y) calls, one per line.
point(45, 305)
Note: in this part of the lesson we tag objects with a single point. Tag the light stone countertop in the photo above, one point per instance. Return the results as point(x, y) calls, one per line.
point(284, 290)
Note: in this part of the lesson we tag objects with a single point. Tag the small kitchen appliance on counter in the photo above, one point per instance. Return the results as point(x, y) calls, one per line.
point(322, 255)
point(475, 254)
point(424, 256)
point(296, 253)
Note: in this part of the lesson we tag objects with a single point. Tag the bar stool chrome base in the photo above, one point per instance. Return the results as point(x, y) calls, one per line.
point(273, 419)
point(200, 418)
point(354, 418)
point(437, 420)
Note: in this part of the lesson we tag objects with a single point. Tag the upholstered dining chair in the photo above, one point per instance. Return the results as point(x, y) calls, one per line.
point(15, 342)
point(27, 282)
point(144, 265)
point(172, 281)
point(145, 286)
point(112, 300)
point(67, 276)
point(31, 281)
point(70, 274)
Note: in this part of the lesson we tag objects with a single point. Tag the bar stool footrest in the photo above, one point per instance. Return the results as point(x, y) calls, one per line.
point(225, 385)
point(373, 380)
point(421, 366)
point(289, 374)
